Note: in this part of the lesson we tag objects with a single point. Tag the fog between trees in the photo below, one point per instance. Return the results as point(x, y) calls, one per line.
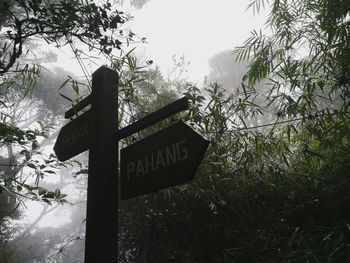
point(273, 186)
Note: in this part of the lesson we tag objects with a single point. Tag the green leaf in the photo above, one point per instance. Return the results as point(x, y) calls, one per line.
point(49, 171)
point(34, 145)
point(31, 165)
point(65, 97)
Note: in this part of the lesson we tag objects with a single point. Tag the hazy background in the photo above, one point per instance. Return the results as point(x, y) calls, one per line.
point(202, 33)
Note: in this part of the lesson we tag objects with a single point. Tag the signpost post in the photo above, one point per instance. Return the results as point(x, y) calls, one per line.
point(102, 195)
point(166, 158)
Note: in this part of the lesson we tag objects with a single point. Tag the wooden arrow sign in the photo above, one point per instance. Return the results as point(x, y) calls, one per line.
point(73, 138)
point(164, 159)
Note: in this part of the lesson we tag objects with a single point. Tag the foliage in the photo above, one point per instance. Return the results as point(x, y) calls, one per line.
point(272, 193)
point(320, 77)
point(60, 23)
point(7, 254)
point(24, 24)
point(265, 192)
point(253, 200)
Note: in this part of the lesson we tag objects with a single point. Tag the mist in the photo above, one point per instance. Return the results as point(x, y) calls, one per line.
point(232, 125)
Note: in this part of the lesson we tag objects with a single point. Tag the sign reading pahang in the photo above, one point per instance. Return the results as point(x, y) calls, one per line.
point(73, 138)
point(166, 158)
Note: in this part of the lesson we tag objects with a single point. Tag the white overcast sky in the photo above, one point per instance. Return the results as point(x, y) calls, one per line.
point(197, 29)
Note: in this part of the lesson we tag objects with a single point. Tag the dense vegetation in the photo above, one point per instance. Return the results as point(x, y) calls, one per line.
point(28, 106)
point(273, 186)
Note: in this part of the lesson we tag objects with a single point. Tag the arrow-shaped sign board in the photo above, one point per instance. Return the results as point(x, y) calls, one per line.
point(73, 138)
point(166, 158)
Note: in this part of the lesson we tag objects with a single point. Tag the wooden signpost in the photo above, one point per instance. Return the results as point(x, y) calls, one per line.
point(101, 241)
point(166, 158)
point(73, 138)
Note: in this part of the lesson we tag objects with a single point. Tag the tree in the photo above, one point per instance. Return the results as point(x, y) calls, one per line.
point(98, 27)
point(225, 71)
point(56, 22)
point(317, 29)
point(228, 73)
point(272, 193)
